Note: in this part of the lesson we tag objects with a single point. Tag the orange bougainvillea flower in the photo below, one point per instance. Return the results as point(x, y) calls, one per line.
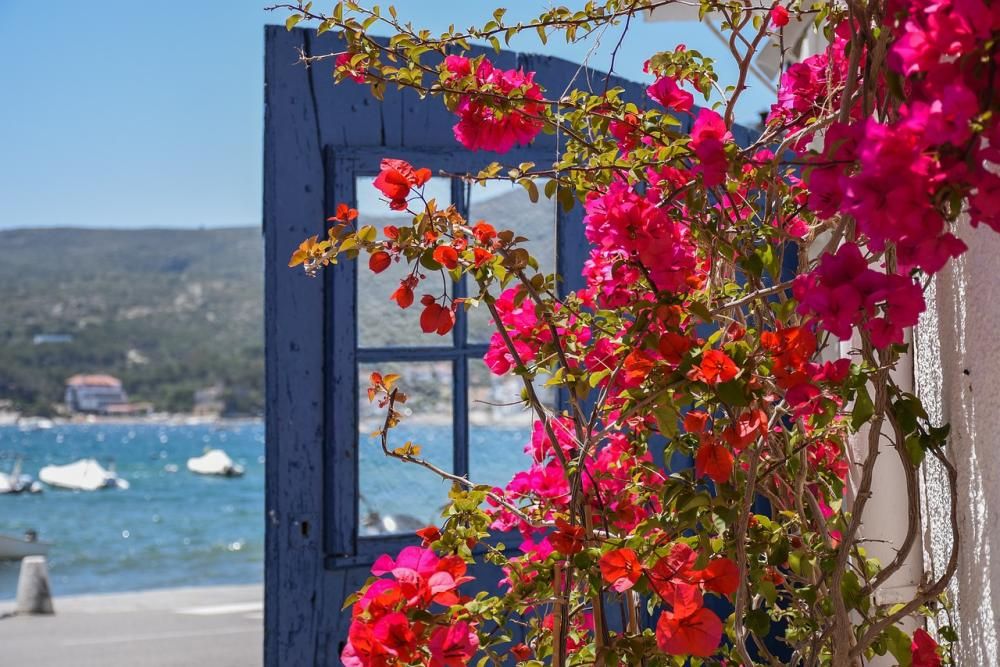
point(484, 232)
point(446, 256)
point(714, 461)
point(379, 261)
point(397, 178)
point(621, 569)
point(716, 367)
point(480, 256)
point(344, 214)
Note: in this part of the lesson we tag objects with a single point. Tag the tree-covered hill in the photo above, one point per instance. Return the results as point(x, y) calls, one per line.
point(173, 311)
point(167, 311)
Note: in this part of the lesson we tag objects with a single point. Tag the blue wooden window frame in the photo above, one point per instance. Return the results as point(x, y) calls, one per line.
point(343, 545)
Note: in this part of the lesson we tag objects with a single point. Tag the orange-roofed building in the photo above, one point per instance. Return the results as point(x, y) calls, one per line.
point(94, 393)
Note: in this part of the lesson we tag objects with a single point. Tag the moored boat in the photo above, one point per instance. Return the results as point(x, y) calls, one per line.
point(17, 482)
point(215, 462)
point(82, 475)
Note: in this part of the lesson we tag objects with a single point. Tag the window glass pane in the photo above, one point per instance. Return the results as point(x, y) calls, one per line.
point(399, 497)
point(499, 425)
point(506, 206)
point(381, 322)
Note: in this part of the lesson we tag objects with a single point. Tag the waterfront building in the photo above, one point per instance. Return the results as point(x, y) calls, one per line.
point(96, 394)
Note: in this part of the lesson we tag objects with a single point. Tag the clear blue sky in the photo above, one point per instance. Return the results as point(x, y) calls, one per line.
point(149, 113)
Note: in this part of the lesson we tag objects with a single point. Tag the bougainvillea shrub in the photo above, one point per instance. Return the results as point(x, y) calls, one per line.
point(689, 337)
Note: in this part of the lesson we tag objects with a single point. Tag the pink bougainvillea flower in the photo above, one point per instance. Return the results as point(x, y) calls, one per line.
point(343, 61)
point(668, 94)
point(498, 124)
point(779, 16)
point(708, 140)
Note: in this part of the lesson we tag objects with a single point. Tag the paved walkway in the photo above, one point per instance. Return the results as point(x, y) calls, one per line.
point(217, 626)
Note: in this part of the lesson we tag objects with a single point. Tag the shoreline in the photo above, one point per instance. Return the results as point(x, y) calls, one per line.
point(164, 419)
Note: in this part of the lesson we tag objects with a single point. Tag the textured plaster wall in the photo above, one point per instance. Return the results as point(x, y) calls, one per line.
point(957, 376)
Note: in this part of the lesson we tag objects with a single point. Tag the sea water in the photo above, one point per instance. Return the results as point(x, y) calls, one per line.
point(168, 529)
point(175, 528)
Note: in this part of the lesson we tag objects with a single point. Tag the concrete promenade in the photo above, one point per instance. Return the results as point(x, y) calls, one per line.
point(220, 626)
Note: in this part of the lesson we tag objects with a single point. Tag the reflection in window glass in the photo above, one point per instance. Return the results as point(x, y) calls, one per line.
point(499, 425)
point(382, 323)
point(397, 497)
point(507, 206)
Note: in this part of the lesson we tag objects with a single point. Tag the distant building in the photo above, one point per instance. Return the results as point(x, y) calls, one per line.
point(96, 394)
point(50, 338)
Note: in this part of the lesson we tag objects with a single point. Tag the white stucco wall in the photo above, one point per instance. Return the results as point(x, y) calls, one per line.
point(957, 373)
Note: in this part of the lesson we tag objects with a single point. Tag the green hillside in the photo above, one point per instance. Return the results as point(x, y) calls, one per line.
point(173, 311)
point(167, 311)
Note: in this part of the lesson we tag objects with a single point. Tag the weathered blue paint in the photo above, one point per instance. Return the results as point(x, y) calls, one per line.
point(317, 138)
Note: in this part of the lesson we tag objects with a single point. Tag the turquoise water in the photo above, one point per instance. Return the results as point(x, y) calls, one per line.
point(181, 529)
point(168, 529)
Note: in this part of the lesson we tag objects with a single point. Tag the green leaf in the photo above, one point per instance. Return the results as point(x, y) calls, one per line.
point(863, 408)
point(758, 622)
point(898, 643)
point(292, 21)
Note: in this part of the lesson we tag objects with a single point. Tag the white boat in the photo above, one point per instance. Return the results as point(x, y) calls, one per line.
point(215, 462)
point(82, 475)
point(16, 548)
point(17, 482)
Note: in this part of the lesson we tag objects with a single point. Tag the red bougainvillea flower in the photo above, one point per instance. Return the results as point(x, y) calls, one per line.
point(429, 535)
point(379, 261)
point(716, 367)
point(403, 295)
point(453, 646)
point(621, 569)
point(397, 178)
point(673, 347)
point(748, 427)
point(697, 633)
point(924, 650)
point(667, 93)
point(714, 461)
point(695, 421)
point(436, 318)
point(446, 256)
point(567, 538)
point(722, 576)
point(779, 16)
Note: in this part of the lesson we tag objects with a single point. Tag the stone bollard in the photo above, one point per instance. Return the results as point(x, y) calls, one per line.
point(33, 593)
